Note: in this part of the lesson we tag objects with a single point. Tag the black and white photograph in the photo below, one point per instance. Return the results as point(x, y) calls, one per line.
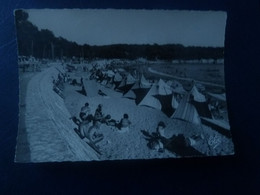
point(121, 84)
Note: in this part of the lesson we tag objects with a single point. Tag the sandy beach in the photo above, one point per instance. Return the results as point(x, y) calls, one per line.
point(49, 132)
point(131, 144)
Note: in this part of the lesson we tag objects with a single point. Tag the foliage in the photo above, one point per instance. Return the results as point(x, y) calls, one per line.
point(43, 44)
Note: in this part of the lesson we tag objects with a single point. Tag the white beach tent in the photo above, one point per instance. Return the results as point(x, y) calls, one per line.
point(118, 77)
point(144, 83)
point(166, 97)
point(197, 96)
point(157, 92)
point(127, 80)
point(149, 99)
point(122, 83)
point(130, 79)
point(130, 93)
point(164, 88)
point(200, 102)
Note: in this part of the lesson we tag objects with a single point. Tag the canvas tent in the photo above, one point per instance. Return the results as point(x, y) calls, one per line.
point(144, 83)
point(166, 103)
point(126, 83)
point(130, 93)
point(149, 99)
point(186, 111)
point(117, 79)
point(197, 96)
point(121, 84)
point(199, 101)
point(166, 98)
point(124, 89)
point(158, 96)
point(140, 93)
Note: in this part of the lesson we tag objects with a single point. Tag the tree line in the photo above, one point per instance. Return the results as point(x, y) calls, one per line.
point(43, 44)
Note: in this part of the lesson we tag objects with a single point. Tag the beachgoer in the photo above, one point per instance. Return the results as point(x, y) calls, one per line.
point(177, 144)
point(159, 138)
point(75, 120)
point(98, 116)
point(84, 112)
point(124, 123)
point(101, 93)
point(74, 82)
point(92, 134)
point(81, 81)
point(83, 128)
point(108, 121)
point(161, 129)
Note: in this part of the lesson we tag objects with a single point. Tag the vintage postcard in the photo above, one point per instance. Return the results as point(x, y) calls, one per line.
point(115, 84)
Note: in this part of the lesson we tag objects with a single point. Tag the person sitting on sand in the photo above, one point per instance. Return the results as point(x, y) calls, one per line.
point(84, 112)
point(83, 128)
point(81, 81)
point(91, 134)
point(75, 120)
point(160, 139)
point(101, 93)
point(98, 116)
point(73, 82)
point(108, 121)
point(124, 123)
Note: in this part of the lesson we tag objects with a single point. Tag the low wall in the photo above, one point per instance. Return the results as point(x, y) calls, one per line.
point(49, 129)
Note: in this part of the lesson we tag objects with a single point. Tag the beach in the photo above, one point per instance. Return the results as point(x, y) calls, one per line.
point(50, 131)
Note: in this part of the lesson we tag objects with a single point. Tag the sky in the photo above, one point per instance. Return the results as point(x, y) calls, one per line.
point(111, 26)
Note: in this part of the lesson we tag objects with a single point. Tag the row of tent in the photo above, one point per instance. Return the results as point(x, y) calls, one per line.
point(169, 97)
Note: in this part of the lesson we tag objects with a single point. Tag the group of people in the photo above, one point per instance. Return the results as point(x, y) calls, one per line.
point(90, 131)
point(89, 125)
